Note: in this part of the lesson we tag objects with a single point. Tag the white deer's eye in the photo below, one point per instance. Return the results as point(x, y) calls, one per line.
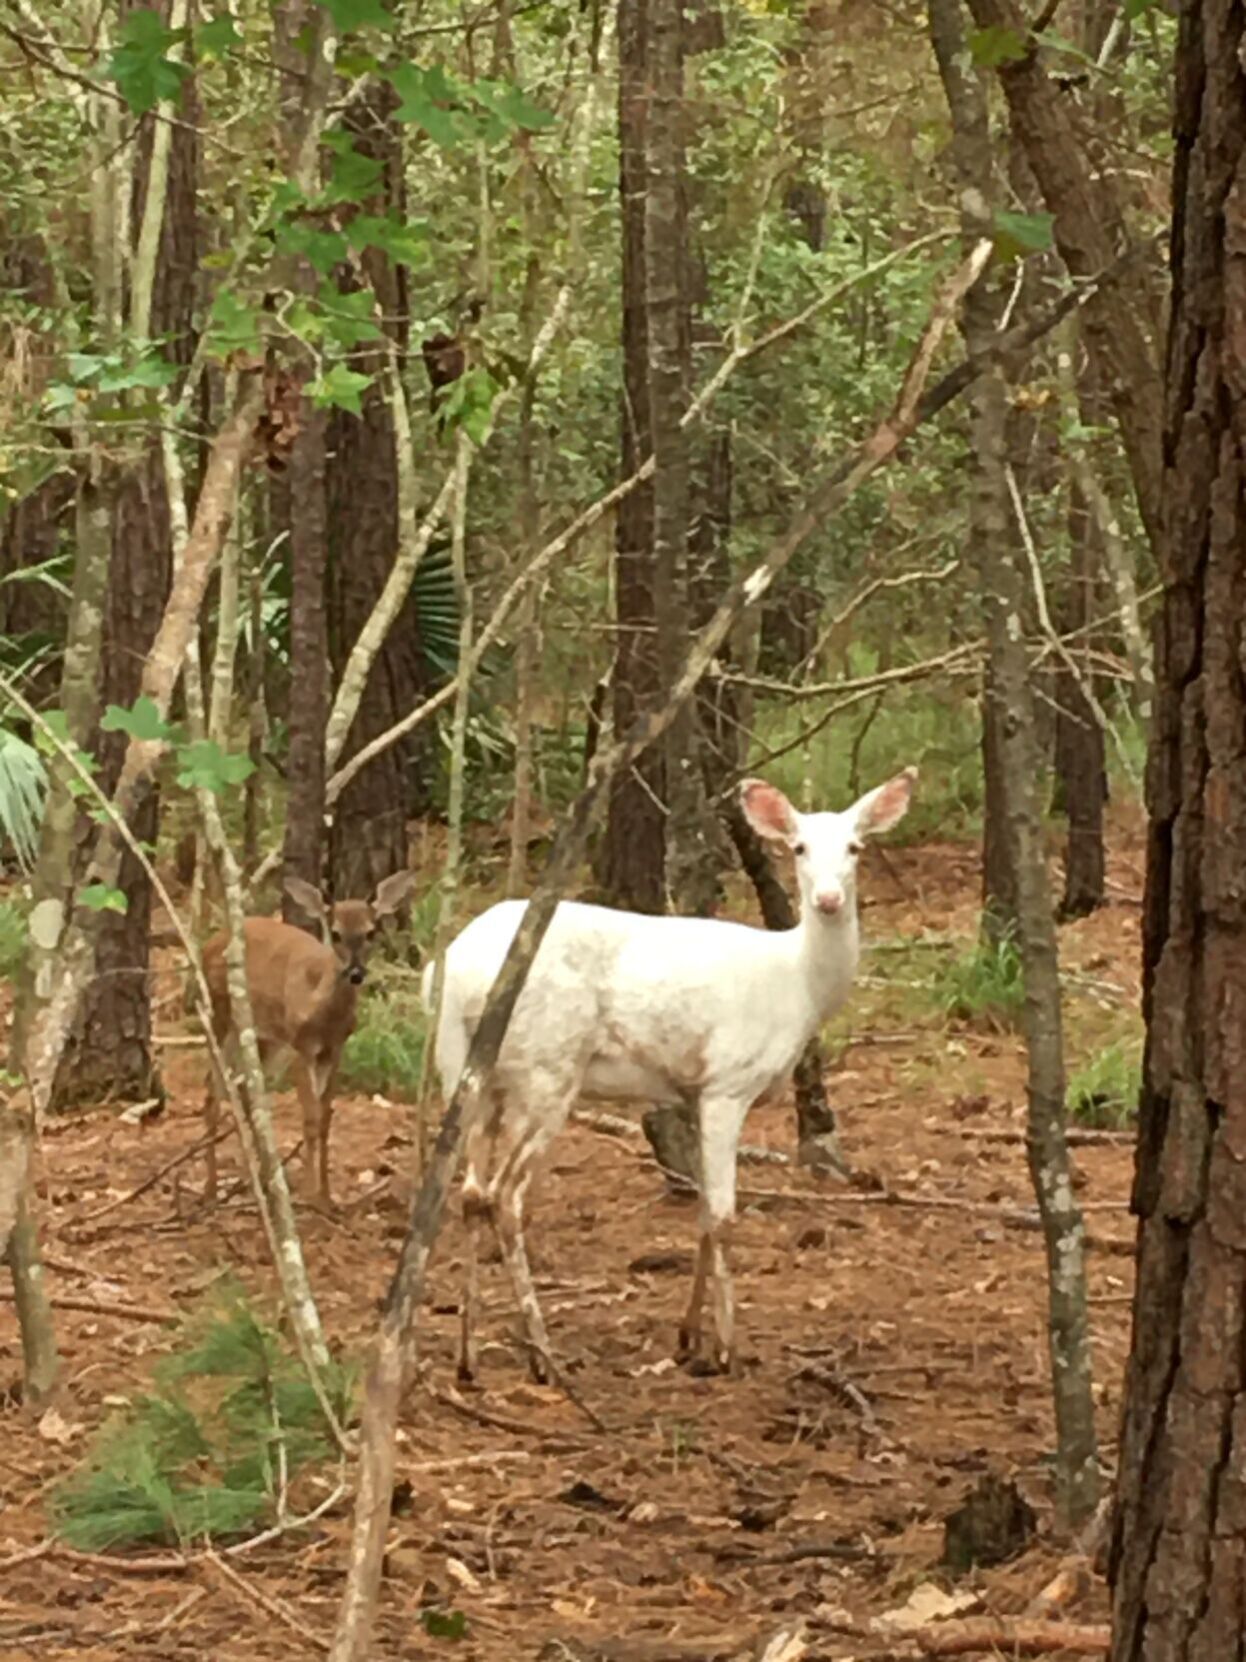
point(799, 849)
point(856, 848)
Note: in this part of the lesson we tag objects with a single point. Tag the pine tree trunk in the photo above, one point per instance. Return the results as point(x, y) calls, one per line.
point(110, 1053)
point(1081, 759)
point(632, 856)
point(369, 835)
point(1178, 1561)
point(303, 848)
point(993, 544)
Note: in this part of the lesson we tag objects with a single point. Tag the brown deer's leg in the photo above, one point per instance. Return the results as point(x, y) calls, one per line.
point(329, 1076)
point(309, 1101)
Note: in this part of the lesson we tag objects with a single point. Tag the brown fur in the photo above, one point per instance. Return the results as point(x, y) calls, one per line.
point(303, 1001)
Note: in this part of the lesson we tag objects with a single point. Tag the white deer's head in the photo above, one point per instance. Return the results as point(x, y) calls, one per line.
point(826, 846)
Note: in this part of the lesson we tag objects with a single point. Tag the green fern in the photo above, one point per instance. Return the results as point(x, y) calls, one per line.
point(23, 788)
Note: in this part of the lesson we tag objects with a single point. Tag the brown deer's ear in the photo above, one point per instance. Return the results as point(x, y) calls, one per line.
point(392, 891)
point(309, 898)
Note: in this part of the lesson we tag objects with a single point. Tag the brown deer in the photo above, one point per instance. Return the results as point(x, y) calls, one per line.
point(304, 998)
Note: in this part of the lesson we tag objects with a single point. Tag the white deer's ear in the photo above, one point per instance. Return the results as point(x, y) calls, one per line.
point(768, 811)
point(880, 809)
point(304, 895)
point(392, 891)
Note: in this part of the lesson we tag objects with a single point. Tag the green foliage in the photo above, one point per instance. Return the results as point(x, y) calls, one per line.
point(204, 766)
point(1017, 235)
point(350, 15)
point(13, 937)
point(141, 721)
point(444, 1624)
point(1103, 1093)
point(983, 987)
point(996, 45)
point(385, 1053)
point(101, 897)
point(141, 66)
point(231, 1420)
point(23, 787)
point(342, 387)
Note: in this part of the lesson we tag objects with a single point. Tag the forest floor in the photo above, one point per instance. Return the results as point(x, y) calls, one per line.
point(896, 1353)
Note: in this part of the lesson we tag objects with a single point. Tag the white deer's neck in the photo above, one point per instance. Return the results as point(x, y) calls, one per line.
point(829, 949)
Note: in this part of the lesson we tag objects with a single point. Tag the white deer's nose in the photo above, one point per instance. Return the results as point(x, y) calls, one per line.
point(829, 901)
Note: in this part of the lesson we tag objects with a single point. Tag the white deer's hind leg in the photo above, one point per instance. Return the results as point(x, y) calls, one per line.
point(477, 1205)
point(721, 1122)
point(508, 1222)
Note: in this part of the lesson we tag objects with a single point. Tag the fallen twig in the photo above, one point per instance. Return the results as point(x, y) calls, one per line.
point(1073, 1136)
point(150, 1182)
point(103, 1307)
point(274, 1606)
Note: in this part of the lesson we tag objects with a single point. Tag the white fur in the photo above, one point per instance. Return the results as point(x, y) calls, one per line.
point(625, 1007)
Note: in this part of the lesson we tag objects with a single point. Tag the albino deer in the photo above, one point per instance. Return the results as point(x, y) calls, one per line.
point(304, 998)
point(621, 1006)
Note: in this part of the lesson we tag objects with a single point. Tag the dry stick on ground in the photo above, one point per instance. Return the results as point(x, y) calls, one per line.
point(252, 1595)
point(162, 1171)
point(389, 1364)
point(102, 1307)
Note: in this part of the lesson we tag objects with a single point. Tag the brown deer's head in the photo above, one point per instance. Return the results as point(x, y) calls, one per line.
point(349, 925)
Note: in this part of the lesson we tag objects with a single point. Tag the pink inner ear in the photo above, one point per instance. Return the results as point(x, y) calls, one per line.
point(768, 809)
point(890, 802)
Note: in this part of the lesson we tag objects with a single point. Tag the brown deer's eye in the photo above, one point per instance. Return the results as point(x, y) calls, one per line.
point(800, 848)
point(856, 848)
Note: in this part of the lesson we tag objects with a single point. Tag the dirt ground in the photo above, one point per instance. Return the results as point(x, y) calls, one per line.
point(896, 1354)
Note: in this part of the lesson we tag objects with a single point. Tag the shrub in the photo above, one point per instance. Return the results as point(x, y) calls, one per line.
point(211, 1450)
point(1103, 1093)
point(984, 987)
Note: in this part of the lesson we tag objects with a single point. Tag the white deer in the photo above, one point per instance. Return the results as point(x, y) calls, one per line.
point(625, 1007)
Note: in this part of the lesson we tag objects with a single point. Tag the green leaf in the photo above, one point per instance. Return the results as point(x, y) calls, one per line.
point(141, 721)
point(349, 15)
point(86, 366)
point(141, 67)
point(214, 37)
point(98, 897)
point(431, 101)
point(233, 326)
point(995, 45)
point(322, 249)
point(443, 1624)
point(204, 766)
point(348, 319)
point(512, 105)
point(340, 387)
point(471, 401)
point(152, 371)
point(407, 244)
point(1017, 235)
point(353, 177)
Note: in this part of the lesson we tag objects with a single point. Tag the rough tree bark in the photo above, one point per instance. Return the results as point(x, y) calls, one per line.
point(1121, 327)
point(1080, 755)
point(632, 856)
point(303, 846)
point(110, 1053)
point(994, 547)
point(369, 835)
point(1178, 1559)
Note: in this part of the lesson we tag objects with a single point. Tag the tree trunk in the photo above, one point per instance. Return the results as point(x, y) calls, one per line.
point(999, 878)
point(303, 848)
point(1178, 1560)
point(993, 543)
point(369, 835)
point(1081, 759)
point(632, 857)
point(1120, 319)
point(110, 1053)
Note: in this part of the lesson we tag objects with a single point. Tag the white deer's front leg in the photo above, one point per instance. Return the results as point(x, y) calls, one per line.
point(721, 1120)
